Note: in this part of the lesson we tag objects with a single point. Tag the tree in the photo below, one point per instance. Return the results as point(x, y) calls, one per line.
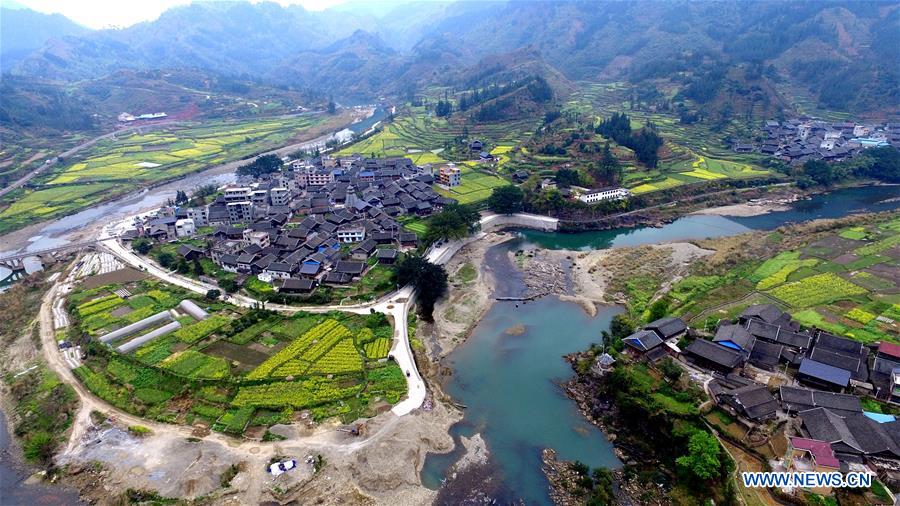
point(332, 108)
point(609, 170)
point(165, 259)
point(262, 165)
point(620, 327)
point(702, 460)
point(659, 309)
point(213, 294)
point(141, 246)
point(443, 108)
point(181, 197)
point(670, 369)
point(819, 171)
point(197, 267)
point(39, 447)
point(429, 280)
point(228, 285)
point(453, 222)
point(567, 177)
point(506, 199)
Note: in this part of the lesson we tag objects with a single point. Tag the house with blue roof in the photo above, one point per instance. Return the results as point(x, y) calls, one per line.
point(823, 376)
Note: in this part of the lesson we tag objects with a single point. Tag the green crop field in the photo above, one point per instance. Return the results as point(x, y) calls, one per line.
point(843, 283)
point(116, 166)
point(693, 153)
point(421, 137)
point(475, 186)
point(221, 370)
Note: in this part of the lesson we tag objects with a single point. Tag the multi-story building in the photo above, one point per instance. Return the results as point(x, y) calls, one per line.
point(185, 228)
point(319, 178)
point(280, 196)
point(258, 238)
point(200, 215)
point(351, 234)
point(237, 194)
point(240, 212)
point(449, 176)
point(594, 196)
point(259, 197)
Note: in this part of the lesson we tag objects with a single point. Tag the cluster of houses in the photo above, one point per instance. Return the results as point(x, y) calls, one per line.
point(801, 139)
point(823, 379)
point(320, 221)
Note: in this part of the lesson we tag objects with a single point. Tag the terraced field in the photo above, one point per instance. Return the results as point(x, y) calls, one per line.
point(236, 368)
point(846, 283)
point(695, 153)
point(476, 186)
point(423, 138)
point(116, 166)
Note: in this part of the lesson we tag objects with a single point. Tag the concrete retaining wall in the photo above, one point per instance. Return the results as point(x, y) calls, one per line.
point(519, 220)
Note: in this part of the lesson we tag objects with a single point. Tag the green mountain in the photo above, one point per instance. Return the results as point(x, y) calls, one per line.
point(843, 54)
point(23, 31)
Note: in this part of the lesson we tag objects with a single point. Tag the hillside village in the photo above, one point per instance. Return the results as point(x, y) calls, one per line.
point(782, 381)
point(798, 140)
point(320, 221)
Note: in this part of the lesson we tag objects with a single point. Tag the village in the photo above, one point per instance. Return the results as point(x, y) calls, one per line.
point(320, 221)
point(798, 140)
point(818, 392)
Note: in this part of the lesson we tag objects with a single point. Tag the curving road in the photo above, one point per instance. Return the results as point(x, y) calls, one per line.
point(396, 304)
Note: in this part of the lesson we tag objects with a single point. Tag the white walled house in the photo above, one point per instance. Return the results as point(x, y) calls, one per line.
point(185, 228)
point(594, 196)
point(351, 234)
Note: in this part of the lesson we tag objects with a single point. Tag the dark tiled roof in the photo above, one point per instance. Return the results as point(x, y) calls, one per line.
point(354, 268)
point(667, 327)
point(765, 353)
point(852, 363)
point(714, 353)
point(839, 344)
point(825, 425)
point(735, 334)
point(298, 284)
point(801, 399)
point(768, 313)
point(338, 278)
point(643, 340)
point(754, 401)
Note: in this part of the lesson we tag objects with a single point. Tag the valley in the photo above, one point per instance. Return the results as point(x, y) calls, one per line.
point(449, 252)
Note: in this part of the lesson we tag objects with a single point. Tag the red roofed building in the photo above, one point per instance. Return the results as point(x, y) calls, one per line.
point(806, 455)
point(889, 350)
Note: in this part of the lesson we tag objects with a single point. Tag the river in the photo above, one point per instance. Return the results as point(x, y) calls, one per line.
point(73, 228)
point(14, 491)
point(507, 372)
point(67, 229)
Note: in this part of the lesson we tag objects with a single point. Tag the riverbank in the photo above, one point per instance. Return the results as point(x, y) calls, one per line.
point(83, 224)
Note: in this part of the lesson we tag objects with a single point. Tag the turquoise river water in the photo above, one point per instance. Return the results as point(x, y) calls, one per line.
point(507, 372)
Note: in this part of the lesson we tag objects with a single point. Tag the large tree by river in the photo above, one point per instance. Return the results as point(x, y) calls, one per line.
point(430, 281)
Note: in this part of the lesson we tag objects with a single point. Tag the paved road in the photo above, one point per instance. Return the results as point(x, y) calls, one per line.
point(396, 304)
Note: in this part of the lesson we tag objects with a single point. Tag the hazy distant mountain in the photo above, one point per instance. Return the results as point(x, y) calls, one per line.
point(234, 38)
point(23, 30)
point(844, 52)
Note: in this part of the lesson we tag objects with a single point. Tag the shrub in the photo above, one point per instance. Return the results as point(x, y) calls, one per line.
point(139, 430)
